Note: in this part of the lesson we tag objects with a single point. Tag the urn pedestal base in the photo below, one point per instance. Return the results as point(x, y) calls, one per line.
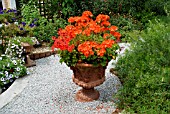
point(87, 95)
point(88, 76)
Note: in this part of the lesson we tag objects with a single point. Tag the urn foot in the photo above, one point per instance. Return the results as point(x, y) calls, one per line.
point(87, 95)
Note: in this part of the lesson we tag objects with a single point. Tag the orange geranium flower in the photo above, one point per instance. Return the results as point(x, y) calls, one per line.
point(116, 34)
point(105, 23)
point(87, 14)
point(87, 39)
point(100, 18)
point(71, 20)
point(113, 28)
point(101, 52)
point(106, 35)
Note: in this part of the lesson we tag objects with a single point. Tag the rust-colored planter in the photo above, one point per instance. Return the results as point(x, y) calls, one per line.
point(88, 76)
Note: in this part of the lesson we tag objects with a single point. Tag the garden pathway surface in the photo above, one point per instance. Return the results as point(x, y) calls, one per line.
point(50, 90)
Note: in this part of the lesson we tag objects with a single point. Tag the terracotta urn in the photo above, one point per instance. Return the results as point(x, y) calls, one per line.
point(88, 76)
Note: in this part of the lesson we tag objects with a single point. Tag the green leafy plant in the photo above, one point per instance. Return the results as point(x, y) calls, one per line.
point(12, 62)
point(61, 8)
point(8, 15)
point(10, 69)
point(145, 72)
point(20, 29)
point(45, 31)
point(127, 25)
point(29, 12)
point(14, 49)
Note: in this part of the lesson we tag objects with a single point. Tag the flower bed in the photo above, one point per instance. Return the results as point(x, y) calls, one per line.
point(10, 69)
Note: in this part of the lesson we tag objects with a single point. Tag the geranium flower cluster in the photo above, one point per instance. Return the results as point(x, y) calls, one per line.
point(87, 36)
point(87, 47)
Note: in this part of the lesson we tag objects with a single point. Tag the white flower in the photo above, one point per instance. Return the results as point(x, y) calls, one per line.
point(20, 53)
point(4, 83)
point(10, 54)
point(2, 79)
point(8, 65)
point(3, 55)
point(11, 80)
point(17, 47)
point(13, 46)
point(28, 72)
point(6, 51)
point(6, 72)
point(13, 58)
point(18, 69)
point(23, 59)
point(16, 76)
point(10, 76)
point(6, 75)
point(1, 72)
point(0, 58)
point(15, 62)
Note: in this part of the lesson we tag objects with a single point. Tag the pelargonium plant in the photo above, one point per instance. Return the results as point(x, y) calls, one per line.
point(86, 40)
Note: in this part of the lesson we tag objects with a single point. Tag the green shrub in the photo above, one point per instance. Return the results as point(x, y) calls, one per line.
point(145, 73)
point(126, 24)
point(45, 31)
point(8, 15)
point(29, 13)
point(142, 10)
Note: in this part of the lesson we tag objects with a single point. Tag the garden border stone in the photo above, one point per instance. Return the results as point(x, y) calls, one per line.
point(16, 88)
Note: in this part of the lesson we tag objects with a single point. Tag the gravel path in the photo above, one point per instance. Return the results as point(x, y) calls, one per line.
point(51, 91)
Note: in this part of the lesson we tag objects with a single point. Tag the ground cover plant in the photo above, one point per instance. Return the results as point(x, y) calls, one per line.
point(12, 61)
point(145, 72)
point(10, 69)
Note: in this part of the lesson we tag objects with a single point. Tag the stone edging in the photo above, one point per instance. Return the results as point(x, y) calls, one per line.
point(40, 55)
